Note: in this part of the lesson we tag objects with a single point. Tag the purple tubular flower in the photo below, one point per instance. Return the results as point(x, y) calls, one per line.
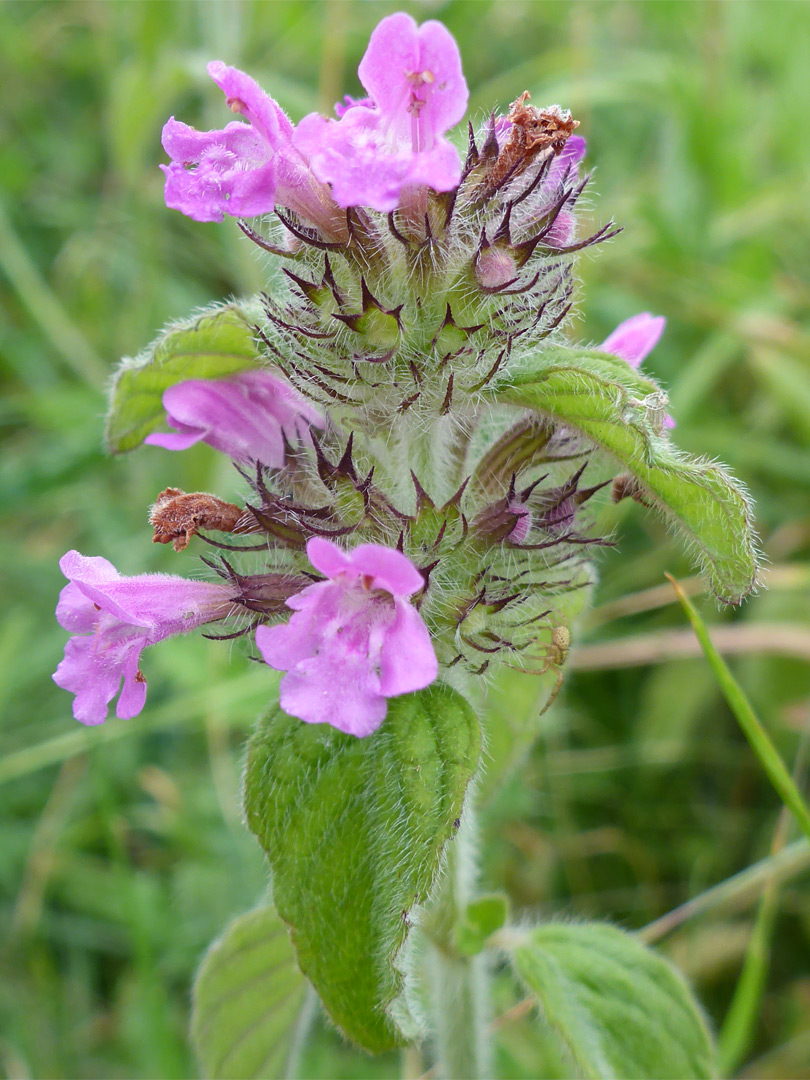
point(354, 639)
point(234, 169)
point(634, 339)
point(247, 416)
point(113, 619)
point(244, 169)
point(418, 92)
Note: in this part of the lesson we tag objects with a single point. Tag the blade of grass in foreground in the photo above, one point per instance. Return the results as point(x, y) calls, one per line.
point(753, 730)
point(739, 1026)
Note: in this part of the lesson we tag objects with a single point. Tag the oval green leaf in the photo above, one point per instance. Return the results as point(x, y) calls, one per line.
point(248, 995)
point(612, 404)
point(621, 1010)
point(213, 345)
point(354, 830)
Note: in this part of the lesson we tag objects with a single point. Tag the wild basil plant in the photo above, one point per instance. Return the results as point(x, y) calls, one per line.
point(420, 445)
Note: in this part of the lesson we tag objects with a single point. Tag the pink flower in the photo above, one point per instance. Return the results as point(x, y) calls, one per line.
point(244, 169)
point(113, 619)
point(354, 639)
point(247, 416)
point(417, 89)
point(634, 339)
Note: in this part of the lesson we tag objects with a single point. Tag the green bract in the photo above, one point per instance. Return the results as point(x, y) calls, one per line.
point(610, 403)
point(354, 831)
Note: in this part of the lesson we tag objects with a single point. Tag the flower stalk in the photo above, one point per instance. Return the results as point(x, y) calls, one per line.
point(458, 984)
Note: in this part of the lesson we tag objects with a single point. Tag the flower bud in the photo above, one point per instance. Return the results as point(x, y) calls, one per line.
point(494, 268)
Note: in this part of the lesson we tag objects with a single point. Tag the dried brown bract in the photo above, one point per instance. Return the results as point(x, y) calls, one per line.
point(533, 130)
point(537, 128)
point(176, 516)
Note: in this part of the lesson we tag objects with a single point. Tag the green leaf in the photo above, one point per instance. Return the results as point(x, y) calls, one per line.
point(614, 407)
point(479, 920)
point(354, 830)
point(621, 1010)
point(247, 997)
point(213, 345)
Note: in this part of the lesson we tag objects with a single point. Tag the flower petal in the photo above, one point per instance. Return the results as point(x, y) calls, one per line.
point(186, 145)
point(93, 674)
point(407, 657)
point(117, 618)
point(226, 413)
point(390, 569)
point(403, 61)
point(246, 416)
point(447, 97)
point(174, 440)
point(351, 642)
point(75, 611)
point(233, 170)
point(245, 96)
point(337, 691)
point(635, 338)
point(327, 557)
point(354, 156)
point(95, 577)
point(132, 698)
point(376, 150)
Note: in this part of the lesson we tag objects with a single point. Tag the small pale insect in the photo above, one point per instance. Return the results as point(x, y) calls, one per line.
point(556, 655)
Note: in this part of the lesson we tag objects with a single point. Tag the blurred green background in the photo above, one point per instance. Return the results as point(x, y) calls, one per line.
point(122, 850)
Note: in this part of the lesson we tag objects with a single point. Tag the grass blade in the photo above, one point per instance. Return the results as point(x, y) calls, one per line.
point(746, 717)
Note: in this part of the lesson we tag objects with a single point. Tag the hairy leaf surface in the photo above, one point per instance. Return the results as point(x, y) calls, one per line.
point(354, 830)
point(622, 1010)
point(247, 997)
point(216, 344)
point(615, 407)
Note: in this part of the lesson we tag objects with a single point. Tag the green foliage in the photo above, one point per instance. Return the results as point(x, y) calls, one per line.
point(354, 830)
point(212, 345)
point(479, 920)
point(247, 997)
point(642, 792)
point(610, 403)
point(622, 1011)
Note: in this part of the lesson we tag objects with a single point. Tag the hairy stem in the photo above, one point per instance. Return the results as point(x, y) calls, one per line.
point(458, 990)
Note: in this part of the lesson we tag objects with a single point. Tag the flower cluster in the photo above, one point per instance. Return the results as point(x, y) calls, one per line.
point(411, 527)
point(379, 146)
